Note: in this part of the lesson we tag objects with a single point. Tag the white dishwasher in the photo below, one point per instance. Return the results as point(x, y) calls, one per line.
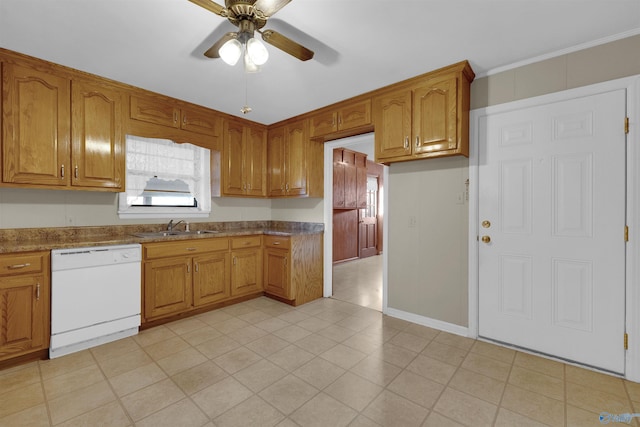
point(95, 296)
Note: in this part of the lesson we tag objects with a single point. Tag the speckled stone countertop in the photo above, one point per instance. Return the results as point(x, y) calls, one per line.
point(40, 239)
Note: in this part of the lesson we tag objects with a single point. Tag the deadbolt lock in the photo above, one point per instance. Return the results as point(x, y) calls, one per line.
point(486, 224)
point(485, 239)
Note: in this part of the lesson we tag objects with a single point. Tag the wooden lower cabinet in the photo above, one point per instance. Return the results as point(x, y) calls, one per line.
point(167, 287)
point(24, 303)
point(246, 272)
point(293, 267)
point(276, 274)
point(189, 275)
point(180, 276)
point(211, 278)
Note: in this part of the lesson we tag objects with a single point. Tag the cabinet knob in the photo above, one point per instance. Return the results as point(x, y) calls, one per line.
point(75, 171)
point(406, 142)
point(61, 171)
point(38, 292)
point(417, 141)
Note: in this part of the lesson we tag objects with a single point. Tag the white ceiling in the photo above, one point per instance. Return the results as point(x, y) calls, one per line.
point(360, 45)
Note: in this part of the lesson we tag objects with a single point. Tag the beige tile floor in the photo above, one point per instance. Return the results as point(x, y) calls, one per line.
point(326, 363)
point(359, 282)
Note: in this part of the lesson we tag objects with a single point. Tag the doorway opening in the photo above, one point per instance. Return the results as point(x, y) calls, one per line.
point(354, 256)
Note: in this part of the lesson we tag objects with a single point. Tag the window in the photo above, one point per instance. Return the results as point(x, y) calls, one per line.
point(165, 179)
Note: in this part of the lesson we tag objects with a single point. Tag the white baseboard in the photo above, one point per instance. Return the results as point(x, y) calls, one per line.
point(427, 321)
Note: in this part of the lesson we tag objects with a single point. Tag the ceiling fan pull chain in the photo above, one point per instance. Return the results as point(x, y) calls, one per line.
point(245, 108)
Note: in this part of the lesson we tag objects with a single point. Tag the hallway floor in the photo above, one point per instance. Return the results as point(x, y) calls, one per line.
point(325, 363)
point(359, 282)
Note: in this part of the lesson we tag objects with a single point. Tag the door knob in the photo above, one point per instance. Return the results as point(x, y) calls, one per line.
point(486, 224)
point(485, 239)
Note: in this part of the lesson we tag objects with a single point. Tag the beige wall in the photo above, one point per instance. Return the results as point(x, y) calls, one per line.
point(428, 263)
point(52, 208)
point(427, 270)
point(609, 61)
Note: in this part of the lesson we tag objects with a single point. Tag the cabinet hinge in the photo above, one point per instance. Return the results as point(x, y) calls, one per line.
point(626, 233)
point(626, 341)
point(626, 125)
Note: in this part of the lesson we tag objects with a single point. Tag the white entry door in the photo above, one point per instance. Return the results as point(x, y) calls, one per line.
point(552, 212)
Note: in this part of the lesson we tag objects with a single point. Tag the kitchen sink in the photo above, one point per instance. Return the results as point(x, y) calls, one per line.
point(156, 234)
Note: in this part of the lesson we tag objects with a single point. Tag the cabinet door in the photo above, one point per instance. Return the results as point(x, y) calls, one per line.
point(255, 162)
point(233, 158)
point(24, 314)
point(246, 271)
point(392, 122)
point(35, 126)
point(275, 162)
point(296, 139)
point(211, 278)
point(323, 124)
point(435, 117)
point(167, 287)
point(156, 110)
point(349, 161)
point(338, 179)
point(276, 276)
point(354, 115)
point(201, 121)
point(361, 181)
point(97, 138)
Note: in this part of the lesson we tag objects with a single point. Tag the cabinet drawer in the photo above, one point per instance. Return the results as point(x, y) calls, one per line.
point(246, 242)
point(183, 247)
point(21, 263)
point(277, 242)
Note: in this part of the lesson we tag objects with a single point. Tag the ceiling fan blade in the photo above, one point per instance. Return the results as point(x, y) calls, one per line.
point(287, 45)
point(269, 7)
point(213, 51)
point(211, 6)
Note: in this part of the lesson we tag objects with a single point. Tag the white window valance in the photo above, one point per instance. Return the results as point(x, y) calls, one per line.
point(165, 160)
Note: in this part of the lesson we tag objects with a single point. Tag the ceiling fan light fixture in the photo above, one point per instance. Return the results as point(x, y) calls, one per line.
point(257, 51)
point(230, 51)
point(249, 65)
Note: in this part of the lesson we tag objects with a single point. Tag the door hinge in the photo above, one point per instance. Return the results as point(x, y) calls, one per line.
point(626, 341)
point(626, 125)
point(626, 233)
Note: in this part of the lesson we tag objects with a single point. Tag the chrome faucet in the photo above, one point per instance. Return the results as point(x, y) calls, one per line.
point(171, 225)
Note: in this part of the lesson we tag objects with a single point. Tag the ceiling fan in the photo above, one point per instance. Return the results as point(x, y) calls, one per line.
point(250, 16)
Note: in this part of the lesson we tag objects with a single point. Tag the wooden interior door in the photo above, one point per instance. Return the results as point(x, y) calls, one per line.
point(368, 223)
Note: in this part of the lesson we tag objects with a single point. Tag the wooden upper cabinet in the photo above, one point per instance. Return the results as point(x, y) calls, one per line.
point(295, 163)
point(435, 117)
point(98, 147)
point(154, 110)
point(35, 127)
point(296, 141)
point(429, 118)
point(349, 179)
point(201, 120)
point(392, 121)
point(245, 159)
point(344, 117)
point(361, 180)
point(59, 133)
point(165, 112)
